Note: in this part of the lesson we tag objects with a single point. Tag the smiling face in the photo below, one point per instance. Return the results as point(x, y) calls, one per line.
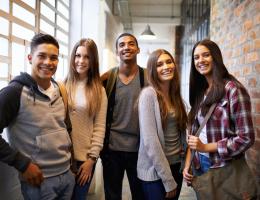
point(165, 68)
point(203, 60)
point(127, 48)
point(44, 61)
point(82, 61)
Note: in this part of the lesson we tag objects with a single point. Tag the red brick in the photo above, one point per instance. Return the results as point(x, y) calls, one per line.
point(254, 93)
point(242, 39)
point(252, 35)
point(257, 107)
point(252, 57)
point(256, 146)
point(257, 122)
point(257, 68)
point(236, 73)
point(257, 19)
point(239, 10)
point(257, 44)
point(248, 24)
point(252, 82)
point(247, 70)
point(246, 48)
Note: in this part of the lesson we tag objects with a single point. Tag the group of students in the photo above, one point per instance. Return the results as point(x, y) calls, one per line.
point(133, 118)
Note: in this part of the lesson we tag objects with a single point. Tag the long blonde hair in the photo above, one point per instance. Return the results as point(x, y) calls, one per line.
point(93, 87)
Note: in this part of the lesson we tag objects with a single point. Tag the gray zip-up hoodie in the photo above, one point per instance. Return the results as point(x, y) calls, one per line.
point(35, 127)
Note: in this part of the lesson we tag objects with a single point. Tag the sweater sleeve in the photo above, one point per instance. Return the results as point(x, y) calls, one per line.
point(150, 131)
point(99, 127)
point(9, 107)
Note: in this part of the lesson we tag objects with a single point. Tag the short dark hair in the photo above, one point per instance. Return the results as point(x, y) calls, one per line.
point(41, 38)
point(126, 34)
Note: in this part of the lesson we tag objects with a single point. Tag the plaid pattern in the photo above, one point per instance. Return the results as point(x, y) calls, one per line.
point(230, 125)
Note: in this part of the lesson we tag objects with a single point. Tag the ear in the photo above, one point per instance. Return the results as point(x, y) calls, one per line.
point(29, 58)
point(138, 50)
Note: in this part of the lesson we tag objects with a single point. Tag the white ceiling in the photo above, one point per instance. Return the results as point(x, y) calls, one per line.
point(161, 15)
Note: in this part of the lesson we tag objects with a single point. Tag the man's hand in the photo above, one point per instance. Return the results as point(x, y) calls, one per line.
point(33, 175)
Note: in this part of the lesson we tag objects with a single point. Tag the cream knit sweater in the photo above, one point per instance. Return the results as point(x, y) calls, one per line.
point(87, 132)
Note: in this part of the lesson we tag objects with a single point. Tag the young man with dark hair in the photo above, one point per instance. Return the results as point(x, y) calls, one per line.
point(123, 85)
point(33, 113)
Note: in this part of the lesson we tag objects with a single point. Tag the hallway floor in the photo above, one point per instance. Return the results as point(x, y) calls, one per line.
point(187, 193)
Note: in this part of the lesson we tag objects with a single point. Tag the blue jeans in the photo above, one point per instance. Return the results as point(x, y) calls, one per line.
point(80, 192)
point(56, 187)
point(205, 164)
point(154, 190)
point(115, 163)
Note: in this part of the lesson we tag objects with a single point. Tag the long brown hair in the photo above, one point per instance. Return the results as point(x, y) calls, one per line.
point(174, 90)
point(198, 83)
point(93, 87)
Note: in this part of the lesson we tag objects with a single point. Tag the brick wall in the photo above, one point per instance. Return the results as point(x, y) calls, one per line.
point(235, 26)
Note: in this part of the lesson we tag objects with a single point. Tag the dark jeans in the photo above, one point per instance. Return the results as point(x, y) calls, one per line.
point(154, 190)
point(80, 192)
point(115, 163)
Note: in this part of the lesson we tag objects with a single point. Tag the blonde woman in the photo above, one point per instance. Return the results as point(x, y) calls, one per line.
point(87, 105)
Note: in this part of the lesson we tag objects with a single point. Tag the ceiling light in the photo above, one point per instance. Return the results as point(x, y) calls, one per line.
point(147, 34)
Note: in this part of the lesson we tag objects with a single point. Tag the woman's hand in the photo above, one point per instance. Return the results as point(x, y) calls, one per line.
point(187, 176)
point(171, 194)
point(85, 172)
point(195, 143)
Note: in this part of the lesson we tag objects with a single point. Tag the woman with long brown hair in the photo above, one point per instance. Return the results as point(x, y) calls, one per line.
point(162, 119)
point(229, 131)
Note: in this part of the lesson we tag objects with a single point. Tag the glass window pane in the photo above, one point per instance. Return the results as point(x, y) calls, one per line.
point(47, 12)
point(62, 23)
point(4, 5)
point(61, 8)
point(61, 36)
point(65, 67)
point(59, 75)
point(18, 59)
point(31, 3)
point(4, 26)
point(67, 2)
point(23, 14)
point(52, 2)
point(46, 27)
point(4, 47)
point(3, 70)
point(3, 84)
point(64, 50)
point(22, 32)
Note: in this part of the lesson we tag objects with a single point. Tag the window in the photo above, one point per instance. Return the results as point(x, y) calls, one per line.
point(20, 20)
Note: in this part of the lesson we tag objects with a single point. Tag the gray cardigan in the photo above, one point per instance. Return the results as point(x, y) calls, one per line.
point(152, 163)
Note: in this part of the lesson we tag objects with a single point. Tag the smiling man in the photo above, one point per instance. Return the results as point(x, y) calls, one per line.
point(33, 113)
point(123, 85)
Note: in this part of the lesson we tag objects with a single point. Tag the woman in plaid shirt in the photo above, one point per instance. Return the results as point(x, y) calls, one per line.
point(229, 131)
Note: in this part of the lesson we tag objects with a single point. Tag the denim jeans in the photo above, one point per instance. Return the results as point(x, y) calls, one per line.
point(56, 187)
point(154, 190)
point(115, 163)
point(205, 164)
point(80, 192)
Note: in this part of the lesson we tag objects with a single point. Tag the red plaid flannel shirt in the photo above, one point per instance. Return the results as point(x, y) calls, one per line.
point(230, 125)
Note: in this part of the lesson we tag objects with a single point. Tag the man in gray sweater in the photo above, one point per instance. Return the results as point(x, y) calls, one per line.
point(33, 113)
point(123, 85)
